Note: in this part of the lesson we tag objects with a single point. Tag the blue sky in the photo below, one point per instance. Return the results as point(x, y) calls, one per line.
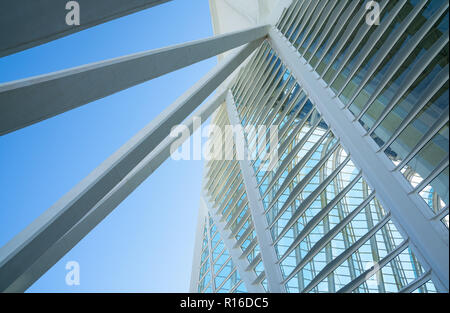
point(146, 243)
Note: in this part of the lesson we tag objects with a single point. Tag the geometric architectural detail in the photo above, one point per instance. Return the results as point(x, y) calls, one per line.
point(32, 100)
point(33, 251)
point(351, 97)
point(358, 201)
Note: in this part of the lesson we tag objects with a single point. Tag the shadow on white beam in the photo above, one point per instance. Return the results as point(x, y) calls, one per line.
point(392, 189)
point(25, 24)
point(31, 100)
point(28, 255)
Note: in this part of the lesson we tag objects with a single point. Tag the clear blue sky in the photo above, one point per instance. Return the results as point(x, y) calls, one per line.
point(146, 243)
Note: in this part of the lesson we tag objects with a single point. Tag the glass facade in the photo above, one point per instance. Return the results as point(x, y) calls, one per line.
point(337, 180)
point(222, 276)
point(328, 228)
point(226, 194)
point(393, 78)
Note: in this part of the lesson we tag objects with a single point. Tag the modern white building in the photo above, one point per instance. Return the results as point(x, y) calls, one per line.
point(352, 99)
point(358, 200)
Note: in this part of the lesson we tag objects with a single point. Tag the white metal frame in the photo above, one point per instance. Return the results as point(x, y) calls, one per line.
point(242, 264)
point(393, 191)
point(33, 251)
point(31, 100)
point(268, 254)
point(30, 253)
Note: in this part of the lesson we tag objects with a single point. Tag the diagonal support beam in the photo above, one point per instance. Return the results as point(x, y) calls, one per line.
point(102, 190)
point(268, 254)
point(144, 169)
point(31, 100)
point(25, 24)
point(393, 191)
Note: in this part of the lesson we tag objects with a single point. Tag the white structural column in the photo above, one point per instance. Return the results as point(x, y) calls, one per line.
point(196, 260)
point(247, 276)
point(144, 169)
point(393, 191)
point(25, 24)
point(28, 101)
point(107, 185)
point(268, 254)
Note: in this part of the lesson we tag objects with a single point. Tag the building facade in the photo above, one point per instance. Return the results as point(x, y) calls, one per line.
point(358, 198)
point(337, 180)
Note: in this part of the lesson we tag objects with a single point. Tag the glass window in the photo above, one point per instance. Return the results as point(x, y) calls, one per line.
point(409, 100)
point(435, 194)
point(428, 158)
point(419, 126)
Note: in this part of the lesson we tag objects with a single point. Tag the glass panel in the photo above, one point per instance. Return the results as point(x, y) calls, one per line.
point(414, 92)
point(343, 21)
point(418, 127)
point(428, 158)
point(351, 63)
point(435, 194)
point(409, 100)
point(394, 276)
point(388, 36)
point(428, 287)
point(384, 241)
point(379, 76)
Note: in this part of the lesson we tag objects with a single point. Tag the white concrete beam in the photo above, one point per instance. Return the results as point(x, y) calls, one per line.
point(268, 254)
point(143, 170)
point(393, 191)
point(28, 101)
point(25, 24)
point(106, 186)
point(107, 204)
